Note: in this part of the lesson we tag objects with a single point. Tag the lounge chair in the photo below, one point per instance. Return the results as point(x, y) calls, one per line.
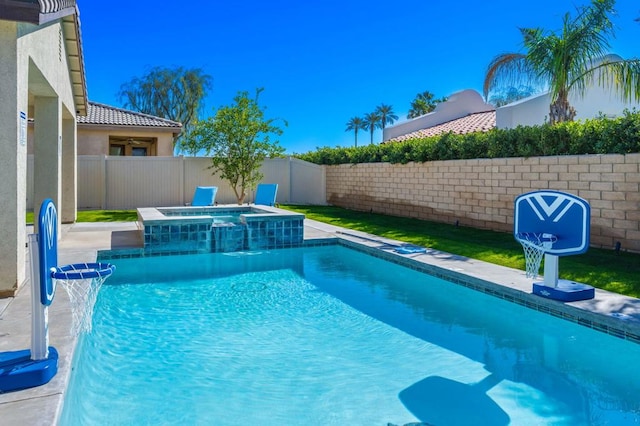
point(266, 194)
point(204, 196)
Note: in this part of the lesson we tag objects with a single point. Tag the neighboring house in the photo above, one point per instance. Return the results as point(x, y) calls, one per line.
point(41, 76)
point(534, 110)
point(466, 112)
point(463, 112)
point(107, 130)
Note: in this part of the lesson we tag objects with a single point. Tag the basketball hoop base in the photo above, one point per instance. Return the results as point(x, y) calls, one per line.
point(564, 291)
point(19, 371)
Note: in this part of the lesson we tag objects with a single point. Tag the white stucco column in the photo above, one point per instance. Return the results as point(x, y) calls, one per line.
point(69, 205)
point(13, 162)
point(47, 151)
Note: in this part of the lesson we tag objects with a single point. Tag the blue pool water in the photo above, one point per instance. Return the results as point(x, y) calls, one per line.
point(331, 336)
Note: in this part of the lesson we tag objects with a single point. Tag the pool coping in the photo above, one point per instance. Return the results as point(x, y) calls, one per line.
point(610, 313)
point(155, 215)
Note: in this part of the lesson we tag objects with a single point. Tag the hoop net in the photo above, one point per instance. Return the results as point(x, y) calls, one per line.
point(535, 244)
point(82, 282)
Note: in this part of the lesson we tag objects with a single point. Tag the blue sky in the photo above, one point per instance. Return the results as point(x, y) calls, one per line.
point(320, 62)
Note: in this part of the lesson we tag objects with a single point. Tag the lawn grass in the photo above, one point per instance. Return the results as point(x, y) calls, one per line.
point(605, 269)
point(100, 216)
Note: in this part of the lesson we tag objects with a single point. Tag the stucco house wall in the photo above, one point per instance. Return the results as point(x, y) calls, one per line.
point(95, 140)
point(104, 125)
point(599, 99)
point(535, 110)
point(39, 77)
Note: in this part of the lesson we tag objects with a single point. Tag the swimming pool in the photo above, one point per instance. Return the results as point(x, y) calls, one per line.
point(329, 335)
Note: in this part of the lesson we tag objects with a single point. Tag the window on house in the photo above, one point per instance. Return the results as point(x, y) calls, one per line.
point(138, 151)
point(116, 149)
point(132, 146)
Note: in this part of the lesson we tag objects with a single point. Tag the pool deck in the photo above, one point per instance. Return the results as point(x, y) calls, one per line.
point(80, 242)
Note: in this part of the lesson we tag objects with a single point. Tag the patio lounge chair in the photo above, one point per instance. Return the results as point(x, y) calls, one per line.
point(266, 194)
point(204, 196)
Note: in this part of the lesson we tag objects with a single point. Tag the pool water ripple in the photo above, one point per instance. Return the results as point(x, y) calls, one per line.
point(327, 335)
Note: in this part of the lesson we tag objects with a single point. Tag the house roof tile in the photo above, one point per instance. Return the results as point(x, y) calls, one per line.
point(476, 122)
point(105, 115)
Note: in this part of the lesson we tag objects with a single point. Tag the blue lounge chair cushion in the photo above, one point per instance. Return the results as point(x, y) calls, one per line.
point(204, 196)
point(266, 194)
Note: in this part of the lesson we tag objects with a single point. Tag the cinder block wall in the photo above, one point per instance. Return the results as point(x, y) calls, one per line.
point(480, 193)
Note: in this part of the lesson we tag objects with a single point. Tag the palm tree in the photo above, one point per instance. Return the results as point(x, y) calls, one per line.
point(424, 103)
point(568, 62)
point(387, 116)
point(355, 124)
point(371, 122)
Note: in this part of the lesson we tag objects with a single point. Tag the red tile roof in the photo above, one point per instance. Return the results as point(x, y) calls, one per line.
point(477, 122)
point(102, 114)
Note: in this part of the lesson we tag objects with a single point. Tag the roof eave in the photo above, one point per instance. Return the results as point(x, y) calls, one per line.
point(30, 11)
point(39, 13)
point(133, 127)
point(20, 11)
point(75, 57)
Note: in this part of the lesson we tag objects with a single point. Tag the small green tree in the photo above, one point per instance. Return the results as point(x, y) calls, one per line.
point(238, 139)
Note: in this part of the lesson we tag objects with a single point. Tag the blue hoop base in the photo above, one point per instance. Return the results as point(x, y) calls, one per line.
point(565, 291)
point(83, 271)
point(19, 371)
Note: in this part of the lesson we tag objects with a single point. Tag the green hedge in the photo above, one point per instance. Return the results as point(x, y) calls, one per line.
point(597, 136)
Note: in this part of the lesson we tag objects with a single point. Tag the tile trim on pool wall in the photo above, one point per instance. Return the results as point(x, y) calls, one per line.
point(595, 321)
point(105, 255)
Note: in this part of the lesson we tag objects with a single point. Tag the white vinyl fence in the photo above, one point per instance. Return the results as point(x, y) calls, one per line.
point(108, 182)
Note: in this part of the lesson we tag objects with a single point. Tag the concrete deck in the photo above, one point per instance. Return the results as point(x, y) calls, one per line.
point(80, 242)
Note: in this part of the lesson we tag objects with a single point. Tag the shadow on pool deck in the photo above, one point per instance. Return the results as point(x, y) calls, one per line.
point(81, 242)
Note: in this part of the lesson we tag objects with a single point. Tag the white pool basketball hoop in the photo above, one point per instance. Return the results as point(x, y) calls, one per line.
point(37, 365)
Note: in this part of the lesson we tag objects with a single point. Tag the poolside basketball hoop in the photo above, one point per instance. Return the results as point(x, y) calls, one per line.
point(82, 282)
point(38, 365)
point(553, 224)
point(534, 244)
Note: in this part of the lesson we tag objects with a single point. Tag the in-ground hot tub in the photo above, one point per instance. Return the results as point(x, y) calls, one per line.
point(219, 228)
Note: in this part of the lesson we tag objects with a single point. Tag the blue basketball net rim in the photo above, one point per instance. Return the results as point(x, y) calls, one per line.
point(83, 271)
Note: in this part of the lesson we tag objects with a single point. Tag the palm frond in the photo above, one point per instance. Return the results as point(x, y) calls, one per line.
point(586, 41)
point(621, 76)
point(507, 69)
